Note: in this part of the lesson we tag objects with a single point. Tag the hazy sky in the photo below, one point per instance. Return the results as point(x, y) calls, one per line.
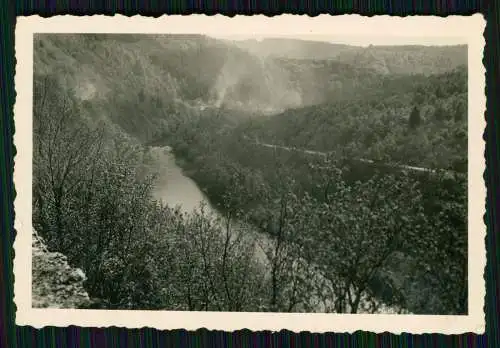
point(347, 29)
point(353, 30)
point(359, 40)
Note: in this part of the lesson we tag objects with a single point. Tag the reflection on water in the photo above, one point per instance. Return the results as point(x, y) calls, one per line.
point(176, 189)
point(172, 186)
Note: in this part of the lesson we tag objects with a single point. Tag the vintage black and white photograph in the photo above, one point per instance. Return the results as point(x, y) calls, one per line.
point(250, 173)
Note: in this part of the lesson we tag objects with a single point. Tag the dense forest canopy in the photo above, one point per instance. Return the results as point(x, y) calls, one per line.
point(188, 73)
point(308, 144)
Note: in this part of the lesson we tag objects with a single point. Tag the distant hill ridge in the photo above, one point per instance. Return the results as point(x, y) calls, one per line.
point(405, 59)
point(163, 77)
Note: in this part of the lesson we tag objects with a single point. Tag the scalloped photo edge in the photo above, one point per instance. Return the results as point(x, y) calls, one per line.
point(345, 29)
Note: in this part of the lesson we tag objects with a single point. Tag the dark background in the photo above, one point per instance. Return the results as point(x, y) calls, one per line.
point(14, 336)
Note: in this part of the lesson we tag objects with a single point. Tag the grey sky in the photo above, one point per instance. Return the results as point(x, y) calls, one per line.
point(359, 40)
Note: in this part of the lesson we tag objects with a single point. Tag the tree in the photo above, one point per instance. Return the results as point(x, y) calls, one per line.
point(289, 273)
point(419, 97)
point(460, 113)
point(361, 228)
point(65, 153)
point(90, 202)
point(440, 114)
point(415, 119)
point(208, 280)
point(439, 92)
point(442, 248)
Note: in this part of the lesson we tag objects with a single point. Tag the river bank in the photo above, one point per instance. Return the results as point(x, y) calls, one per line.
point(175, 188)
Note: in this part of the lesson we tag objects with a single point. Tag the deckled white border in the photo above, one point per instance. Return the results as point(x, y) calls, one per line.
point(349, 27)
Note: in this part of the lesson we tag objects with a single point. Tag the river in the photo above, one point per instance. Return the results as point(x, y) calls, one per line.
point(174, 188)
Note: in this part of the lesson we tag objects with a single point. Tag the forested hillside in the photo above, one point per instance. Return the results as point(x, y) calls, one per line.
point(407, 120)
point(228, 162)
point(340, 235)
point(142, 82)
point(383, 59)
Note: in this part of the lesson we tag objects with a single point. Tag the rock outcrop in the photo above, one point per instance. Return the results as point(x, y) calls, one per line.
point(55, 283)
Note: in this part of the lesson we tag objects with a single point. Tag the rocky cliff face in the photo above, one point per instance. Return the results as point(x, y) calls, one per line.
point(55, 283)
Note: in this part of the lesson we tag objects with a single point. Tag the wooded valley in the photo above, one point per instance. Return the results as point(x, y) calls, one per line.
point(331, 219)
